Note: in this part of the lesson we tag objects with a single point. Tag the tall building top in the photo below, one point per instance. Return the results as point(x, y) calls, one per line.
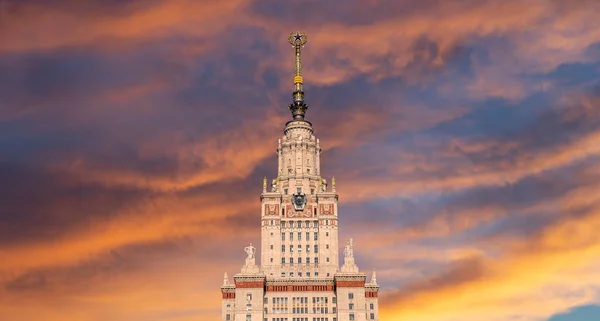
point(298, 107)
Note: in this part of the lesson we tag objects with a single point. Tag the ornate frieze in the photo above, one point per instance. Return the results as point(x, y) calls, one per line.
point(271, 209)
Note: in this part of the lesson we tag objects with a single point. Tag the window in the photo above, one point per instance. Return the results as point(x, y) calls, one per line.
point(307, 248)
point(283, 249)
point(271, 260)
point(248, 317)
point(299, 260)
point(271, 246)
point(282, 213)
point(283, 236)
point(299, 248)
point(316, 261)
point(334, 299)
point(291, 224)
point(308, 236)
point(283, 273)
point(372, 316)
point(282, 260)
point(266, 300)
point(299, 224)
point(266, 310)
point(249, 296)
point(326, 222)
point(291, 248)
point(334, 310)
point(299, 235)
point(316, 236)
point(299, 274)
point(327, 246)
point(316, 248)
point(282, 224)
point(285, 191)
point(307, 274)
point(312, 191)
point(248, 307)
point(307, 260)
point(291, 260)
point(350, 295)
point(352, 317)
point(228, 317)
point(272, 223)
point(326, 233)
point(299, 190)
point(351, 306)
point(291, 235)
point(316, 274)
point(372, 306)
point(327, 259)
point(291, 273)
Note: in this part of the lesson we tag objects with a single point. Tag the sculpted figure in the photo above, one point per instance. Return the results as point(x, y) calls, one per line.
point(250, 251)
point(349, 249)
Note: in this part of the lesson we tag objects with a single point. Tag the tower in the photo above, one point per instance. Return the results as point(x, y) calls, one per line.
point(299, 277)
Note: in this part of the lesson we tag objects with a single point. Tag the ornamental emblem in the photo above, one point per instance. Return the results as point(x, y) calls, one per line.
point(299, 200)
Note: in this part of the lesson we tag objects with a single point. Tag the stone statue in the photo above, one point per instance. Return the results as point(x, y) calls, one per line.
point(250, 251)
point(349, 250)
point(274, 185)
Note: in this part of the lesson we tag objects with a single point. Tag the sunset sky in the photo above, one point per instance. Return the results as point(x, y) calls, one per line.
point(464, 137)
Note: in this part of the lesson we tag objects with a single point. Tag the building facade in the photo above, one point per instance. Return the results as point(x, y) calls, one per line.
point(299, 277)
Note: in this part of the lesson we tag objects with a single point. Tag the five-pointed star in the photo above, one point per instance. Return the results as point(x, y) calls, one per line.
point(297, 36)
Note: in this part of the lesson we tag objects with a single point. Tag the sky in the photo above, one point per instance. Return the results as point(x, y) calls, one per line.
point(464, 137)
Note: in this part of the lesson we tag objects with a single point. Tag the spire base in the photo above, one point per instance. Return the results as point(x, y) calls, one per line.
point(298, 109)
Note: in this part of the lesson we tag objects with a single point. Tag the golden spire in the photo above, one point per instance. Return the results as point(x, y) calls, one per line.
point(298, 107)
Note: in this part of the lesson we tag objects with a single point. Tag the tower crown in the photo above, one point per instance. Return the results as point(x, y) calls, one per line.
point(298, 107)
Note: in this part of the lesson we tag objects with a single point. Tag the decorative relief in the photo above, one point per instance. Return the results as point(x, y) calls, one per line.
point(326, 209)
point(246, 285)
point(350, 284)
point(272, 209)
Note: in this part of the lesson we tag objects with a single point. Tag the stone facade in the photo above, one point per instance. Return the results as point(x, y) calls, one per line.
point(299, 278)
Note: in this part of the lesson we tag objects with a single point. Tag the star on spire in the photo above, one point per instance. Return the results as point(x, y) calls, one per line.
point(298, 107)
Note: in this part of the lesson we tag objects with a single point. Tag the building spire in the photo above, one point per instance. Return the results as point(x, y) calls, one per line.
point(374, 278)
point(298, 107)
